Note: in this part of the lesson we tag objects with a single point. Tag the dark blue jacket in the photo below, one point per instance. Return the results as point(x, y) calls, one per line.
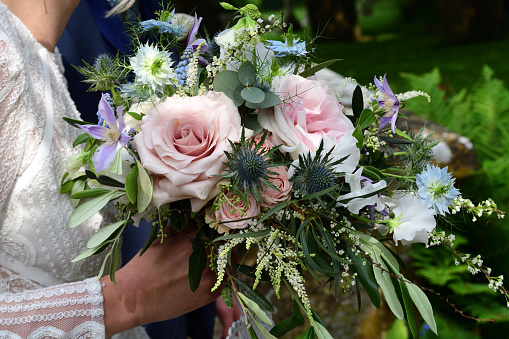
point(87, 35)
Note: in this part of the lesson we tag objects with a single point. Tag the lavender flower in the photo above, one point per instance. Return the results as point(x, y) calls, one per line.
point(388, 103)
point(112, 134)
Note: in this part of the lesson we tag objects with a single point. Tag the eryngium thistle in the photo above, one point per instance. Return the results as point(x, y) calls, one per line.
point(248, 166)
point(315, 172)
point(105, 74)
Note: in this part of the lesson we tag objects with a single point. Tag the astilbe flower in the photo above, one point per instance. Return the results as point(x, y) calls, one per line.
point(436, 188)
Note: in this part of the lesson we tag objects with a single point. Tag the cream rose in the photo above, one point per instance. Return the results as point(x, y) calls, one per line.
point(270, 196)
point(233, 213)
point(309, 112)
point(182, 142)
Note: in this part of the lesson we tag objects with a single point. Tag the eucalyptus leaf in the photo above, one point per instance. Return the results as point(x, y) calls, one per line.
point(423, 305)
point(197, 263)
point(131, 184)
point(89, 208)
point(104, 234)
point(270, 100)
point(81, 139)
point(251, 122)
point(253, 94)
point(253, 306)
point(228, 83)
point(369, 243)
point(145, 188)
point(247, 74)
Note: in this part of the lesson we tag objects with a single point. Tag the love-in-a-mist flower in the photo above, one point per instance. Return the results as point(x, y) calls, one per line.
point(164, 24)
point(291, 45)
point(113, 134)
point(436, 188)
point(388, 102)
point(152, 67)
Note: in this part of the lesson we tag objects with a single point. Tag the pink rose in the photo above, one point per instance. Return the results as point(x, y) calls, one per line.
point(308, 112)
point(182, 142)
point(270, 196)
point(229, 214)
point(267, 143)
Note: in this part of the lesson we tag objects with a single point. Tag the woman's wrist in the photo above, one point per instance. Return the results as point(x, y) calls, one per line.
point(120, 311)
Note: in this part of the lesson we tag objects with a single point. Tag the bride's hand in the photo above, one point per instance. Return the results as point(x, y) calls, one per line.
point(154, 287)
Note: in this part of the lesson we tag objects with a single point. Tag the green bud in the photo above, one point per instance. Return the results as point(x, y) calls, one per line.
point(290, 36)
point(251, 10)
point(393, 223)
point(227, 6)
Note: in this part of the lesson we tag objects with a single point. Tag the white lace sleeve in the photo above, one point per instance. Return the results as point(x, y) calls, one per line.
point(73, 310)
point(12, 144)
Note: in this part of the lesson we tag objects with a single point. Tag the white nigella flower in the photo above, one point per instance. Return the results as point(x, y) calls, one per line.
point(153, 67)
point(357, 191)
point(413, 220)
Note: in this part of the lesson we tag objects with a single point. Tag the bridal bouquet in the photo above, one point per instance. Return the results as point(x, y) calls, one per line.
point(239, 140)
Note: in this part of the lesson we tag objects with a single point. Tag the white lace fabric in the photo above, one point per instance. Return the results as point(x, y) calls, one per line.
point(42, 293)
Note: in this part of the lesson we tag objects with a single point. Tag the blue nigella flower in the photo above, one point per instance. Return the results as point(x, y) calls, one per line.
point(389, 102)
point(282, 49)
point(436, 188)
point(163, 25)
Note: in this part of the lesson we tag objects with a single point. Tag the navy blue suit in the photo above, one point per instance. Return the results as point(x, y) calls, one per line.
point(87, 35)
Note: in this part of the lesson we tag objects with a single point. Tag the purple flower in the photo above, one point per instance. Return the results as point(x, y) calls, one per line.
point(388, 103)
point(112, 133)
point(195, 43)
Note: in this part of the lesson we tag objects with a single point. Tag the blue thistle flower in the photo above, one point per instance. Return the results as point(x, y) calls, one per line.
point(248, 166)
point(315, 172)
point(436, 188)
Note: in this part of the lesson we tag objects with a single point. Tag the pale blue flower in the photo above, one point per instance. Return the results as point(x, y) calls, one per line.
point(113, 134)
point(436, 188)
point(283, 49)
point(162, 27)
point(153, 67)
point(389, 103)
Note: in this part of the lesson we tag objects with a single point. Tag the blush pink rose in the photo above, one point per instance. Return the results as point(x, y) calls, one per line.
point(309, 111)
point(229, 214)
point(182, 142)
point(270, 196)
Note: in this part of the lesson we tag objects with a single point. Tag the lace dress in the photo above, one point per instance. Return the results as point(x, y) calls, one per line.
point(42, 294)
